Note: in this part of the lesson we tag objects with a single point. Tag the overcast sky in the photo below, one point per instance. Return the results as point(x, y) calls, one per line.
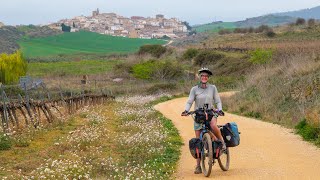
point(15, 12)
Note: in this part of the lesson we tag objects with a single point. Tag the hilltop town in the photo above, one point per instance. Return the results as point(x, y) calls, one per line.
point(133, 27)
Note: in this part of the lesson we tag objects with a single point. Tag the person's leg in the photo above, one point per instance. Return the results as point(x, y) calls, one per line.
point(197, 132)
point(215, 129)
point(198, 168)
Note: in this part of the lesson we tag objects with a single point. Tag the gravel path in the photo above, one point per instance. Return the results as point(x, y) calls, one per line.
point(266, 151)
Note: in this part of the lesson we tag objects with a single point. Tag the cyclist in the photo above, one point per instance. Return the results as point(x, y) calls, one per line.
point(205, 93)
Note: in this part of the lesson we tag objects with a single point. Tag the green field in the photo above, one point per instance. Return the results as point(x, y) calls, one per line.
point(82, 42)
point(82, 67)
point(215, 27)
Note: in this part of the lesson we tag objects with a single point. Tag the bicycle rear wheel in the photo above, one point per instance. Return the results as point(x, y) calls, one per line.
point(206, 155)
point(224, 160)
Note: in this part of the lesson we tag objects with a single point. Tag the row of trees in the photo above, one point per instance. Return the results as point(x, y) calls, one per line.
point(12, 66)
point(301, 21)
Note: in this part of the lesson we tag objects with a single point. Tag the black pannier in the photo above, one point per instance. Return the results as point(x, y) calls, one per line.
point(202, 115)
point(195, 145)
point(230, 134)
point(216, 147)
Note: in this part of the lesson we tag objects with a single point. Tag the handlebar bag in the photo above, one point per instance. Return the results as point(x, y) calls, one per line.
point(201, 115)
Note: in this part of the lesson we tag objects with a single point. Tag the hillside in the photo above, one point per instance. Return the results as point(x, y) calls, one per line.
point(214, 27)
point(270, 20)
point(81, 42)
point(10, 35)
point(304, 13)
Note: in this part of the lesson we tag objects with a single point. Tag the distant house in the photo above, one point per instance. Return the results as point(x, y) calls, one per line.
point(136, 17)
point(1, 24)
point(159, 16)
point(74, 29)
point(133, 34)
point(95, 13)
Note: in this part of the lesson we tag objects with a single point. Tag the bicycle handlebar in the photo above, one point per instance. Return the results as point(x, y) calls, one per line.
point(217, 112)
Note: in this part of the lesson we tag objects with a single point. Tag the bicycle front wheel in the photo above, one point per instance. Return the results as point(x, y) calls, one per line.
point(206, 155)
point(224, 160)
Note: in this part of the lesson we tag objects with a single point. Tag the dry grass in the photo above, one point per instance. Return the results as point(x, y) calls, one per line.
point(284, 93)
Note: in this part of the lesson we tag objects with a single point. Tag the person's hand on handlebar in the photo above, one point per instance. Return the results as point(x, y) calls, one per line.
point(220, 112)
point(184, 113)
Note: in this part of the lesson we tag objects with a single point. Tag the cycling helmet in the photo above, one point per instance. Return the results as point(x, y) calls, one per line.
point(206, 70)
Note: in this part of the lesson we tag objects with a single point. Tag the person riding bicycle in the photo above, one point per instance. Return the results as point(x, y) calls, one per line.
point(205, 94)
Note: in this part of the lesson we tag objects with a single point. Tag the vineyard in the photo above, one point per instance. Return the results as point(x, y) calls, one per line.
point(36, 106)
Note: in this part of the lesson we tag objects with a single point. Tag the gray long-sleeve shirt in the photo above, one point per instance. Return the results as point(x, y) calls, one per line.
point(208, 95)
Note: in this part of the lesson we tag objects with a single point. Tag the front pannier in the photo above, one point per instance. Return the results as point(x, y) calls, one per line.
point(195, 147)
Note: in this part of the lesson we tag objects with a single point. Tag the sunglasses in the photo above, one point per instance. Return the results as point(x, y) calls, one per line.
point(204, 76)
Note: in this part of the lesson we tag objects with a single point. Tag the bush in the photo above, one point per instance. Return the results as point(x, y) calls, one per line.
point(123, 69)
point(261, 56)
point(224, 31)
point(307, 131)
point(159, 70)
point(270, 33)
point(241, 30)
point(311, 22)
point(262, 28)
point(5, 142)
point(155, 50)
point(12, 66)
point(300, 21)
point(206, 57)
point(190, 54)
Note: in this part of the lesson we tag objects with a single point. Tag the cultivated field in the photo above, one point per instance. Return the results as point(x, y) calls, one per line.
point(82, 42)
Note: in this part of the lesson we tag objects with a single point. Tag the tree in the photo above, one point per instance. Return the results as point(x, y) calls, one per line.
point(189, 28)
point(65, 28)
point(311, 22)
point(73, 25)
point(12, 66)
point(300, 21)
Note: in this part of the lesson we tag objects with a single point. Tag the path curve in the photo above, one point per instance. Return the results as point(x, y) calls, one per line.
point(266, 151)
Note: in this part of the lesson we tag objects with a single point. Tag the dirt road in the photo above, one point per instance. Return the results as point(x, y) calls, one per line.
point(266, 151)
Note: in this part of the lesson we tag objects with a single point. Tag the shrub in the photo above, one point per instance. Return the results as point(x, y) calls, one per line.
point(311, 22)
point(5, 142)
point(251, 30)
point(262, 28)
point(300, 21)
point(307, 131)
point(224, 31)
point(261, 56)
point(12, 66)
point(206, 57)
point(241, 30)
point(270, 33)
point(143, 70)
point(190, 54)
point(155, 50)
point(160, 70)
point(166, 70)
